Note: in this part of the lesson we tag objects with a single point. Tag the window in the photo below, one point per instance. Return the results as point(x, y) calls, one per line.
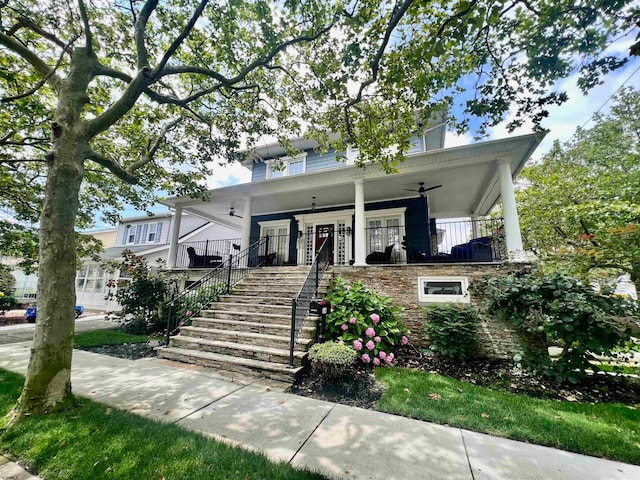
point(443, 289)
point(286, 166)
point(131, 232)
point(383, 232)
point(152, 232)
point(352, 155)
point(90, 280)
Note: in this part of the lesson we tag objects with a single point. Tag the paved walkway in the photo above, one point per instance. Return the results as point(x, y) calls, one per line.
point(340, 441)
point(24, 331)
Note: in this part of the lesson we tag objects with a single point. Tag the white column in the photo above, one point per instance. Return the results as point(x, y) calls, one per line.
point(360, 253)
point(511, 222)
point(474, 226)
point(175, 236)
point(246, 224)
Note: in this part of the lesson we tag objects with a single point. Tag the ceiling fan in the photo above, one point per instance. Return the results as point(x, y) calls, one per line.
point(422, 191)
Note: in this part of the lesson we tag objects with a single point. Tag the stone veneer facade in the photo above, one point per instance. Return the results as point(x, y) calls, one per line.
point(400, 282)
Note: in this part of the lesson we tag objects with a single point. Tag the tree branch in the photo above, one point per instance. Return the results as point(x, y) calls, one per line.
point(375, 63)
point(87, 28)
point(42, 81)
point(178, 41)
point(139, 31)
point(26, 22)
point(112, 166)
point(154, 147)
point(36, 62)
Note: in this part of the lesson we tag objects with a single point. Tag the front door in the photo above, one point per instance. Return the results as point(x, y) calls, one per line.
point(324, 232)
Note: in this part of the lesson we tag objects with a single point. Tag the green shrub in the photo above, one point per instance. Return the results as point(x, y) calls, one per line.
point(332, 360)
point(452, 330)
point(7, 302)
point(365, 320)
point(561, 308)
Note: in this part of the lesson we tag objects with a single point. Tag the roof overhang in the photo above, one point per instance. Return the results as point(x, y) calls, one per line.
point(469, 176)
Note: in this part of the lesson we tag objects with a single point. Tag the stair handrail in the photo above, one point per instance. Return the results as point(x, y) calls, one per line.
point(309, 290)
point(220, 280)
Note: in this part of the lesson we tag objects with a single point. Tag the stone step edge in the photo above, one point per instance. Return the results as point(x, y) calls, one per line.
point(256, 297)
point(257, 314)
point(263, 336)
point(227, 321)
point(310, 318)
point(241, 346)
point(244, 305)
point(247, 362)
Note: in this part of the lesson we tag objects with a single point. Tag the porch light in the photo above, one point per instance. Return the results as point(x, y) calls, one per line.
point(300, 234)
point(232, 212)
point(313, 204)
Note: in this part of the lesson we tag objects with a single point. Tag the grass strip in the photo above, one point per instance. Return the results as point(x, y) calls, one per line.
point(98, 338)
point(626, 369)
point(96, 442)
point(606, 430)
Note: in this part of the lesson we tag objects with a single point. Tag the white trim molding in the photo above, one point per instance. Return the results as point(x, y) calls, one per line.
point(434, 289)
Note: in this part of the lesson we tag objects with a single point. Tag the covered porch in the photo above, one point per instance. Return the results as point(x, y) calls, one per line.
point(375, 218)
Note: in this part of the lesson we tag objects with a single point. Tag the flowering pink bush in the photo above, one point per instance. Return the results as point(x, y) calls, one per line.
point(367, 315)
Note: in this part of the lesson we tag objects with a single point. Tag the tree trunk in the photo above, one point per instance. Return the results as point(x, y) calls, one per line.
point(48, 382)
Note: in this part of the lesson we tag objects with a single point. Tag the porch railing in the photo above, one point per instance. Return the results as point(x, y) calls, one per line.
point(309, 290)
point(276, 250)
point(205, 253)
point(479, 240)
point(190, 301)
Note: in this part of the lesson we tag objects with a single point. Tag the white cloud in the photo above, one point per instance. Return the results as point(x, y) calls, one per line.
point(228, 174)
point(453, 139)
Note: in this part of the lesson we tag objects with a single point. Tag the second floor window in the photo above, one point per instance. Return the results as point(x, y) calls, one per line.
point(286, 166)
point(152, 233)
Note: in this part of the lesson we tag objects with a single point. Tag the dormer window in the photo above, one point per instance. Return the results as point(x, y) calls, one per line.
point(286, 166)
point(152, 233)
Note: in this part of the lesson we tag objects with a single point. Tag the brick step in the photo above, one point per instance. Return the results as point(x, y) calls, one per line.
point(246, 366)
point(253, 307)
point(279, 318)
point(259, 339)
point(251, 299)
point(241, 350)
point(308, 331)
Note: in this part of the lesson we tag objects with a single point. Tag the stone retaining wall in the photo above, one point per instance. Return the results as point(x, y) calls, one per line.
point(400, 282)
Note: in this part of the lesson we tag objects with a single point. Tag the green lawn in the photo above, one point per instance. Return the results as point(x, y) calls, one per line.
point(94, 441)
point(603, 430)
point(97, 338)
point(633, 370)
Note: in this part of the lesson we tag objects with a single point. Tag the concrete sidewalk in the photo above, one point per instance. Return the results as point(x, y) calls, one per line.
point(340, 441)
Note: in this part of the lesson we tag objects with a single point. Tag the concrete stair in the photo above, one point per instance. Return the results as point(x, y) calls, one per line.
point(248, 331)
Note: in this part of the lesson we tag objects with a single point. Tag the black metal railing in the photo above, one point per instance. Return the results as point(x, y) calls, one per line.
point(206, 253)
point(276, 250)
point(479, 240)
point(200, 294)
point(309, 291)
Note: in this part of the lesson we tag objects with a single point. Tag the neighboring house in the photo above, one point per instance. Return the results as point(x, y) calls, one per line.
point(428, 212)
point(148, 237)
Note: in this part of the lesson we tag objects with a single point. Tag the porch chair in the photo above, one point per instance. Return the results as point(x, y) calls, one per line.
point(380, 257)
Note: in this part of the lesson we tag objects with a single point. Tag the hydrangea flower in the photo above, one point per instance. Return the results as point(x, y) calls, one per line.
point(365, 358)
point(404, 340)
point(348, 287)
point(375, 318)
point(382, 355)
point(189, 313)
point(344, 326)
point(376, 361)
point(389, 359)
point(370, 332)
point(377, 339)
point(370, 345)
point(357, 344)
point(352, 320)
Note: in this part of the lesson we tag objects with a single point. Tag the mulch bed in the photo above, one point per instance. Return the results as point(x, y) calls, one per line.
point(362, 390)
point(132, 351)
point(365, 391)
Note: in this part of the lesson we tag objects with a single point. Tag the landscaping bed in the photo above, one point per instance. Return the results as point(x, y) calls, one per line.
point(116, 343)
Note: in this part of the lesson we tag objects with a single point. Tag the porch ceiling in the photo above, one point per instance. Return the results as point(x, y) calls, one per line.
point(468, 174)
